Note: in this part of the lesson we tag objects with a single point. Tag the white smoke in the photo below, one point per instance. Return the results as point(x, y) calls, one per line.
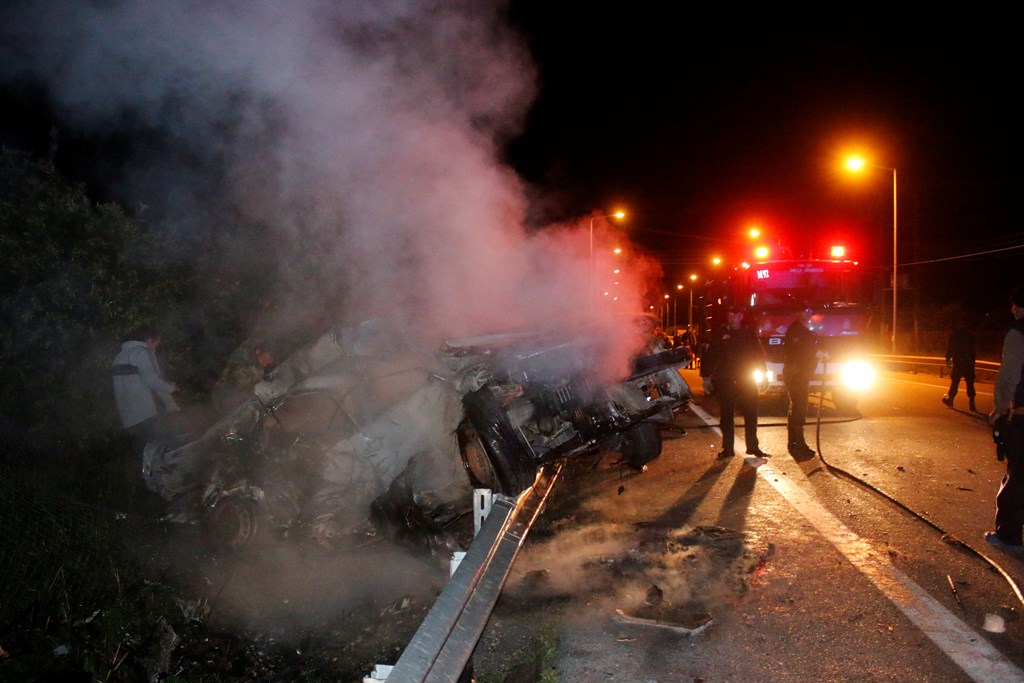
point(366, 134)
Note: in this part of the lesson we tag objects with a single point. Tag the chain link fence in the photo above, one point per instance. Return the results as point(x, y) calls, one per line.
point(68, 540)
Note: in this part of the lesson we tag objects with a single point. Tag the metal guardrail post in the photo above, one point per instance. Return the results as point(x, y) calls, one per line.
point(444, 642)
point(979, 365)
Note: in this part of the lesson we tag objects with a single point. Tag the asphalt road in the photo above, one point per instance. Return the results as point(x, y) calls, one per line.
point(706, 570)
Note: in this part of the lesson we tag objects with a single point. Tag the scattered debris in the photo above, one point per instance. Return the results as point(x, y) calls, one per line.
point(397, 606)
point(952, 587)
point(654, 595)
point(623, 618)
point(164, 641)
point(754, 461)
point(87, 620)
point(994, 624)
point(900, 468)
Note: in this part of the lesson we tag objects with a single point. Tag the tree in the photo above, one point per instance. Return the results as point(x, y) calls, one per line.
point(74, 279)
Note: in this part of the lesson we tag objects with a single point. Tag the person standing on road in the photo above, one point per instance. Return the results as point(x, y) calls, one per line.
point(727, 369)
point(1007, 419)
point(960, 360)
point(799, 347)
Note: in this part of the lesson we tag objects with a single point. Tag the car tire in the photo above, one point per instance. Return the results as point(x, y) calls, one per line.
point(509, 458)
point(233, 523)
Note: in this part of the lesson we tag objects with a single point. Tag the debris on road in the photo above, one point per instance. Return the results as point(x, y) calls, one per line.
point(623, 618)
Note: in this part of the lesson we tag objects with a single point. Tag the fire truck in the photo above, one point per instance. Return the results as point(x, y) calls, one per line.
point(835, 290)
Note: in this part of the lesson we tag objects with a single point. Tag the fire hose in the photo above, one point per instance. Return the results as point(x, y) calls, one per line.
point(946, 535)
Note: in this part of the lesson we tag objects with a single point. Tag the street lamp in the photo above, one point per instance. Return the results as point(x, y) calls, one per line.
point(618, 215)
point(856, 164)
point(689, 316)
point(689, 323)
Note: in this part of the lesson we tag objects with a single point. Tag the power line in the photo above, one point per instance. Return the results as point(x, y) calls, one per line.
point(964, 256)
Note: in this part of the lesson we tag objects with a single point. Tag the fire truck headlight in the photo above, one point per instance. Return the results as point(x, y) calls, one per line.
point(759, 376)
point(858, 375)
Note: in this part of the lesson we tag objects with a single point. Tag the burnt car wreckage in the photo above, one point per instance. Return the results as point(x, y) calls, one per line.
point(359, 414)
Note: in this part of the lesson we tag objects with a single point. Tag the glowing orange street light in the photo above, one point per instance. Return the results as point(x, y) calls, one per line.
point(689, 317)
point(618, 215)
point(856, 164)
point(717, 261)
point(754, 232)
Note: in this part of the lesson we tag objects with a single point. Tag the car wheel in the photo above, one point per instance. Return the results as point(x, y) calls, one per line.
point(234, 522)
point(507, 457)
point(642, 444)
point(475, 458)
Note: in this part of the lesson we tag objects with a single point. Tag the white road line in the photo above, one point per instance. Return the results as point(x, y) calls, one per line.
point(970, 651)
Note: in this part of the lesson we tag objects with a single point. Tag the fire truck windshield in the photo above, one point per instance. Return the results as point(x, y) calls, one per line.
point(791, 285)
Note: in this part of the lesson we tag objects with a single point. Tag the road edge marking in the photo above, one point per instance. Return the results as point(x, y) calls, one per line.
point(978, 658)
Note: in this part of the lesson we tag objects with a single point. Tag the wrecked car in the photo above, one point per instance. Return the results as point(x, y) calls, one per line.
point(359, 413)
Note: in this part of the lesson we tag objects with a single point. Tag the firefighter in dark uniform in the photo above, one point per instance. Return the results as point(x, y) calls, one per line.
point(960, 360)
point(1008, 429)
point(799, 346)
point(727, 368)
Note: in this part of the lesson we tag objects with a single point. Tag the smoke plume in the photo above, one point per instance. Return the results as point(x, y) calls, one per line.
point(364, 137)
point(349, 150)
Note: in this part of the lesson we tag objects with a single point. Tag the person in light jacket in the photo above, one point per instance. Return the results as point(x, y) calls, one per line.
point(140, 390)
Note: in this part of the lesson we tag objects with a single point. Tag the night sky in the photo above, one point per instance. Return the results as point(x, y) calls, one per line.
point(701, 124)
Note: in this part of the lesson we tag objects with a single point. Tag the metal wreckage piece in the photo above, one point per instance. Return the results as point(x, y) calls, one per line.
point(358, 414)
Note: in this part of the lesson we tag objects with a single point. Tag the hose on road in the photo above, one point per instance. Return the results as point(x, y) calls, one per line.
point(946, 535)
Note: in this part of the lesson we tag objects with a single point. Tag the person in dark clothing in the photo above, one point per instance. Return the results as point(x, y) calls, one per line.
point(1007, 419)
point(727, 368)
point(799, 347)
point(960, 358)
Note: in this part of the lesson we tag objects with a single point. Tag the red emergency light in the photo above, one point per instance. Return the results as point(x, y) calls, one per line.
point(838, 251)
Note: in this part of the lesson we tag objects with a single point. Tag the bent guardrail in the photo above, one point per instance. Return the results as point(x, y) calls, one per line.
point(444, 642)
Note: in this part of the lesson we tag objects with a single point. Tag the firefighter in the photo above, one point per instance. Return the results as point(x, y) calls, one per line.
point(727, 369)
point(799, 346)
point(960, 360)
point(1007, 419)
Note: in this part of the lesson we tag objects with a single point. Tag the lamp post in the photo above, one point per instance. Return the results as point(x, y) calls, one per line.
point(856, 164)
point(689, 315)
point(618, 215)
point(689, 322)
